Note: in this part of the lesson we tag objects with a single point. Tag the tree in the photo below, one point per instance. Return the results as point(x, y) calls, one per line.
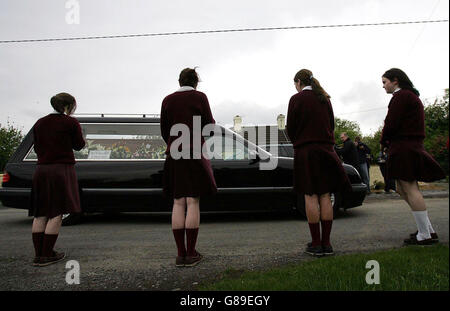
point(436, 130)
point(350, 127)
point(436, 116)
point(373, 142)
point(10, 139)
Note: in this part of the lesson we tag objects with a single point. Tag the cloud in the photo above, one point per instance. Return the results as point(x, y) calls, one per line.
point(251, 112)
point(366, 103)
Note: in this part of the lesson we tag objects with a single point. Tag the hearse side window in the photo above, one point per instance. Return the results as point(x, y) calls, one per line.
point(117, 141)
point(289, 151)
point(226, 148)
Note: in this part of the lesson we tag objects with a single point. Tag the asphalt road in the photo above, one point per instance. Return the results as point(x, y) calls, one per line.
point(137, 251)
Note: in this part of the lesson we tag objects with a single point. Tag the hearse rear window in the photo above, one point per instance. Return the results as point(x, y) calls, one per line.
point(119, 142)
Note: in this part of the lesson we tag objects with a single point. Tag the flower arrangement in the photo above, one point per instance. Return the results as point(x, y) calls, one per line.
point(148, 151)
point(84, 153)
point(119, 150)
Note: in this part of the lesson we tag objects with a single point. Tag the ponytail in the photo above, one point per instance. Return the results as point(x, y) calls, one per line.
point(63, 103)
point(319, 91)
point(306, 77)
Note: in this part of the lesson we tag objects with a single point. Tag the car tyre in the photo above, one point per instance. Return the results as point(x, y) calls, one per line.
point(300, 208)
point(71, 219)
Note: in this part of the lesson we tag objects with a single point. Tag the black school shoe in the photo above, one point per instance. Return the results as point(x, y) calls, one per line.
point(326, 250)
point(179, 262)
point(413, 241)
point(314, 250)
point(434, 236)
point(190, 261)
point(45, 261)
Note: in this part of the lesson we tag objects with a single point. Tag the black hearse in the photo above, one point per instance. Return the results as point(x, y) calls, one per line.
point(121, 168)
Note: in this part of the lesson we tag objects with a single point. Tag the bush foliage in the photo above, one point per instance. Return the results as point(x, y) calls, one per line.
point(10, 139)
point(436, 130)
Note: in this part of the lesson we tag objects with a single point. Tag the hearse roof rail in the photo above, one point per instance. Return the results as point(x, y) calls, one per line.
point(102, 115)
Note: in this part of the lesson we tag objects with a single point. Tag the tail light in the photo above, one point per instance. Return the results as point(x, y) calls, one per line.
point(5, 178)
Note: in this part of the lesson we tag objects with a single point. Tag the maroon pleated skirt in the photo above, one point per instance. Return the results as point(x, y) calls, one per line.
point(407, 160)
point(54, 191)
point(188, 178)
point(318, 170)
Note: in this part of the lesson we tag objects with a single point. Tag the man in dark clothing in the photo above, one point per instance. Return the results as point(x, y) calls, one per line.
point(348, 152)
point(363, 157)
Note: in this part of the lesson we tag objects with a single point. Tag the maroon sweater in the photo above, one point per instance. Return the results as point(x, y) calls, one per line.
point(55, 136)
point(405, 118)
point(309, 120)
point(180, 107)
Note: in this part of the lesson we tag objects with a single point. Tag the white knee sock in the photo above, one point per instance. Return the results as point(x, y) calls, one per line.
point(423, 225)
point(429, 225)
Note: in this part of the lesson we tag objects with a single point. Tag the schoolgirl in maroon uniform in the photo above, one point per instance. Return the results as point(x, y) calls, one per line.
point(318, 170)
point(408, 162)
point(186, 180)
point(55, 186)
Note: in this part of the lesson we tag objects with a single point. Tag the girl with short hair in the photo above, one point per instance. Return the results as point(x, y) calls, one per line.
point(186, 180)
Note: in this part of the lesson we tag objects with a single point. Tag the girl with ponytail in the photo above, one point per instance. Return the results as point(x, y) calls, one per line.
point(318, 171)
point(54, 190)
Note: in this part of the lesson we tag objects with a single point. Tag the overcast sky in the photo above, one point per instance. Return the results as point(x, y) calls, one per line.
point(245, 73)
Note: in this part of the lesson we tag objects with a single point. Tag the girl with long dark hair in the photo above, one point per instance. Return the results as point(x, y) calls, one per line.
point(408, 162)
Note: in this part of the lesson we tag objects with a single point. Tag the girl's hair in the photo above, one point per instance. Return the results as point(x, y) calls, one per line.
point(63, 103)
point(188, 77)
point(402, 78)
point(305, 76)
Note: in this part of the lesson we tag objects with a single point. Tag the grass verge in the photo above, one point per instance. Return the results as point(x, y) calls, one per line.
point(404, 269)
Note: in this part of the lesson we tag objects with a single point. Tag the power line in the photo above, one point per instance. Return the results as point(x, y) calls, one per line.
point(423, 27)
point(219, 31)
point(363, 111)
point(424, 100)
